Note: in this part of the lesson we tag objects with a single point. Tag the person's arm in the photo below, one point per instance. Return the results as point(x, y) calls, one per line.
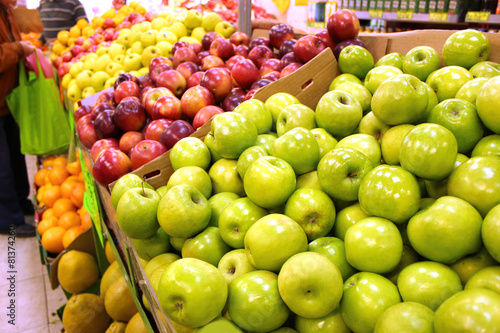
point(80, 13)
point(11, 52)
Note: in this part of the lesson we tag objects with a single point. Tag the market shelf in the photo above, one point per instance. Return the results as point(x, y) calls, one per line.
point(482, 18)
point(435, 18)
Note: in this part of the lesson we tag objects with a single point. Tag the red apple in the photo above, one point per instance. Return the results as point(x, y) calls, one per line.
point(100, 108)
point(184, 54)
point(260, 54)
point(201, 55)
point(187, 69)
point(110, 166)
point(194, 99)
point(108, 23)
point(289, 69)
point(179, 129)
point(272, 76)
point(211, 61)
point(239, 38)
point(233, 60)
point(132, 16)
point(85, 119)
point(270, 65)
point(87, 134)
point(168, 107)
point(218, 81)
point(222, 48)
point(245, 73)
point(105, 97)
point(152, 95)
point(279, 33)
point(325, 37)
point(104, 125)
point(286, 47)
point(125, 89)
point(342, 25)
point(76, 49)
point(241, 50)
point(146, 151)
point(154, 129)
point(130, 115)
point(177, 45)
point(260, 83)
point(287, 59)
point(205, 114)
point(234, 99)
point(145, 81)
point(208, 38)
point(196, 47)
point(157, 61)
point(250, 93)
point(122, 77)
point(108, 34)
point(160, 68)
point(341, 45)
point(129, 140)
point(81, 111)
point(308, 47)
point(100, 146)
point(195, 79)
point(172, 80)
point(259, 41)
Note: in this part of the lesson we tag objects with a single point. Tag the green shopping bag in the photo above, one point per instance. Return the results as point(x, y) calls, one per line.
point(37, 108)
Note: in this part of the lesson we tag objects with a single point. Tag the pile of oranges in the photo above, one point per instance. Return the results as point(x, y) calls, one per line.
point(61, 188)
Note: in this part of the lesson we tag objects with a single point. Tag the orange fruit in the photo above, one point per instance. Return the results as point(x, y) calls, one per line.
point(70, 235)
point(39, 193)
point(60, 161)
point(86, 221)
point(40, 177)
point(77, 194)
point(63, 205)
point(81, 178)
point(69, 220)
point(47, 213)
point(47, 161)
point(52, 239)
point(74, 168)
point(45, 224)
point(57, 175)
point(67, 186)
point(82, 23)
point(51, 195)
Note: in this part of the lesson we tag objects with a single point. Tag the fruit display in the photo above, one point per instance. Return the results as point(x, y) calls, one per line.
point(292, 217)
point(60, 191)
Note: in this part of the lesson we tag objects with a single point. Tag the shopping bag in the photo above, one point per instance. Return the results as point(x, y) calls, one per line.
point(37, 108)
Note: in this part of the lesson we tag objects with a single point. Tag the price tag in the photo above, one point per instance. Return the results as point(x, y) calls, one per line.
point(407, 15)
point(438, 16)
point(375, 13)
point(478, 16)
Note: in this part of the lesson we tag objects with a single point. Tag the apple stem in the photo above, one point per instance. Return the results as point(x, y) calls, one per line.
point(143, 190)
point(352, 175)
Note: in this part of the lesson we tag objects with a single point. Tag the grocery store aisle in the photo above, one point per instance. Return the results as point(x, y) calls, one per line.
point(25, 285)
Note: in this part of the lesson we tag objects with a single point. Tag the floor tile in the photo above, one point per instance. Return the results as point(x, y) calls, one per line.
point(55, 297)
point(56, 327)
point(41, 329)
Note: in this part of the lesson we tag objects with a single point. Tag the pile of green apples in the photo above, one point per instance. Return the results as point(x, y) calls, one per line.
point(378, 211)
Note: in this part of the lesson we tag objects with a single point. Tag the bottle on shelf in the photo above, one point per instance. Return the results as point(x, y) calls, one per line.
point(498, 7)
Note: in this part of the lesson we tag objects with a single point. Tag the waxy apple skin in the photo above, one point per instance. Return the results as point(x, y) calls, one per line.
point(466, 48)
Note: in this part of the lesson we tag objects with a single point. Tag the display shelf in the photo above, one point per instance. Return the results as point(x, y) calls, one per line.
point(435, 18)
point(482, 18)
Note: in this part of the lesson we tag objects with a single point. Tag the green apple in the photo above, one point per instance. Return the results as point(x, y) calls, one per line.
point(466, 48)
point(470, 90)
point(339, 113)
point(137, 48)
point(409, 257)
point(249, 156)
point(470, 310)
point(313, 210)
point(406, 317)
point(166, 36)
point(209, 141)
point(266, 140)
point(487, 278)
point(224, 28)
point(225, 177)
point(390, 192)
point(114, 68)
point(273, 239)
point(485, 69)
point(74, 93)
point(153, 246)
point(132, 62)
point(332, 322)
point(183, 211)
point(340, 173)
point(269, 182)
point(84, 79)
point(98, 80)
point(400, 99)
point(87, 92)
point(447, 81)
point(192, 175)
point(232, 134)
point(373, 244)
point(293, 116)
point(165, 48)
point(429, 151)
point(192, 292)
point(110, 82)
point(309, 179)
point(334, 249)
point(310, 285)
point(346, 218)
point(235, 220)
point(379, 74)
point(477, 182)
point(88, 64)
point(433, 101)
point(277, 102)
point(490, 230)
point(208, 246)
point(177, 243)
point(158, 261)
point(488, 145)
point(421, 61)
point(148, 54)
point(394, 59)
point(365, 144)
point(116, 49)
point(391, 143)
point(134, 36)
point(359, 92)
point(158, 23)
point(359, 311)
point(119, 58)
point(428, 283)
point(254, 302)
point(234, 264)
point(210, 20)
point(342, 78)
point(198, 33)
point(102, 50)
point(373, 126)
point(179, 29)
point(471, 264)
point(76, 68)
point(217, 203)
point(326, 141)
point(136, 212)
point(451, 225)
point(356, 60)
point(487, 104)
point(190, 151)
point(193, 19)
point(256, 111)
point(220, 324)
point(299, 148)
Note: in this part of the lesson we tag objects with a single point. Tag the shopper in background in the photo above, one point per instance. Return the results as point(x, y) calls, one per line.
point(59, 15)
point(14, 183)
